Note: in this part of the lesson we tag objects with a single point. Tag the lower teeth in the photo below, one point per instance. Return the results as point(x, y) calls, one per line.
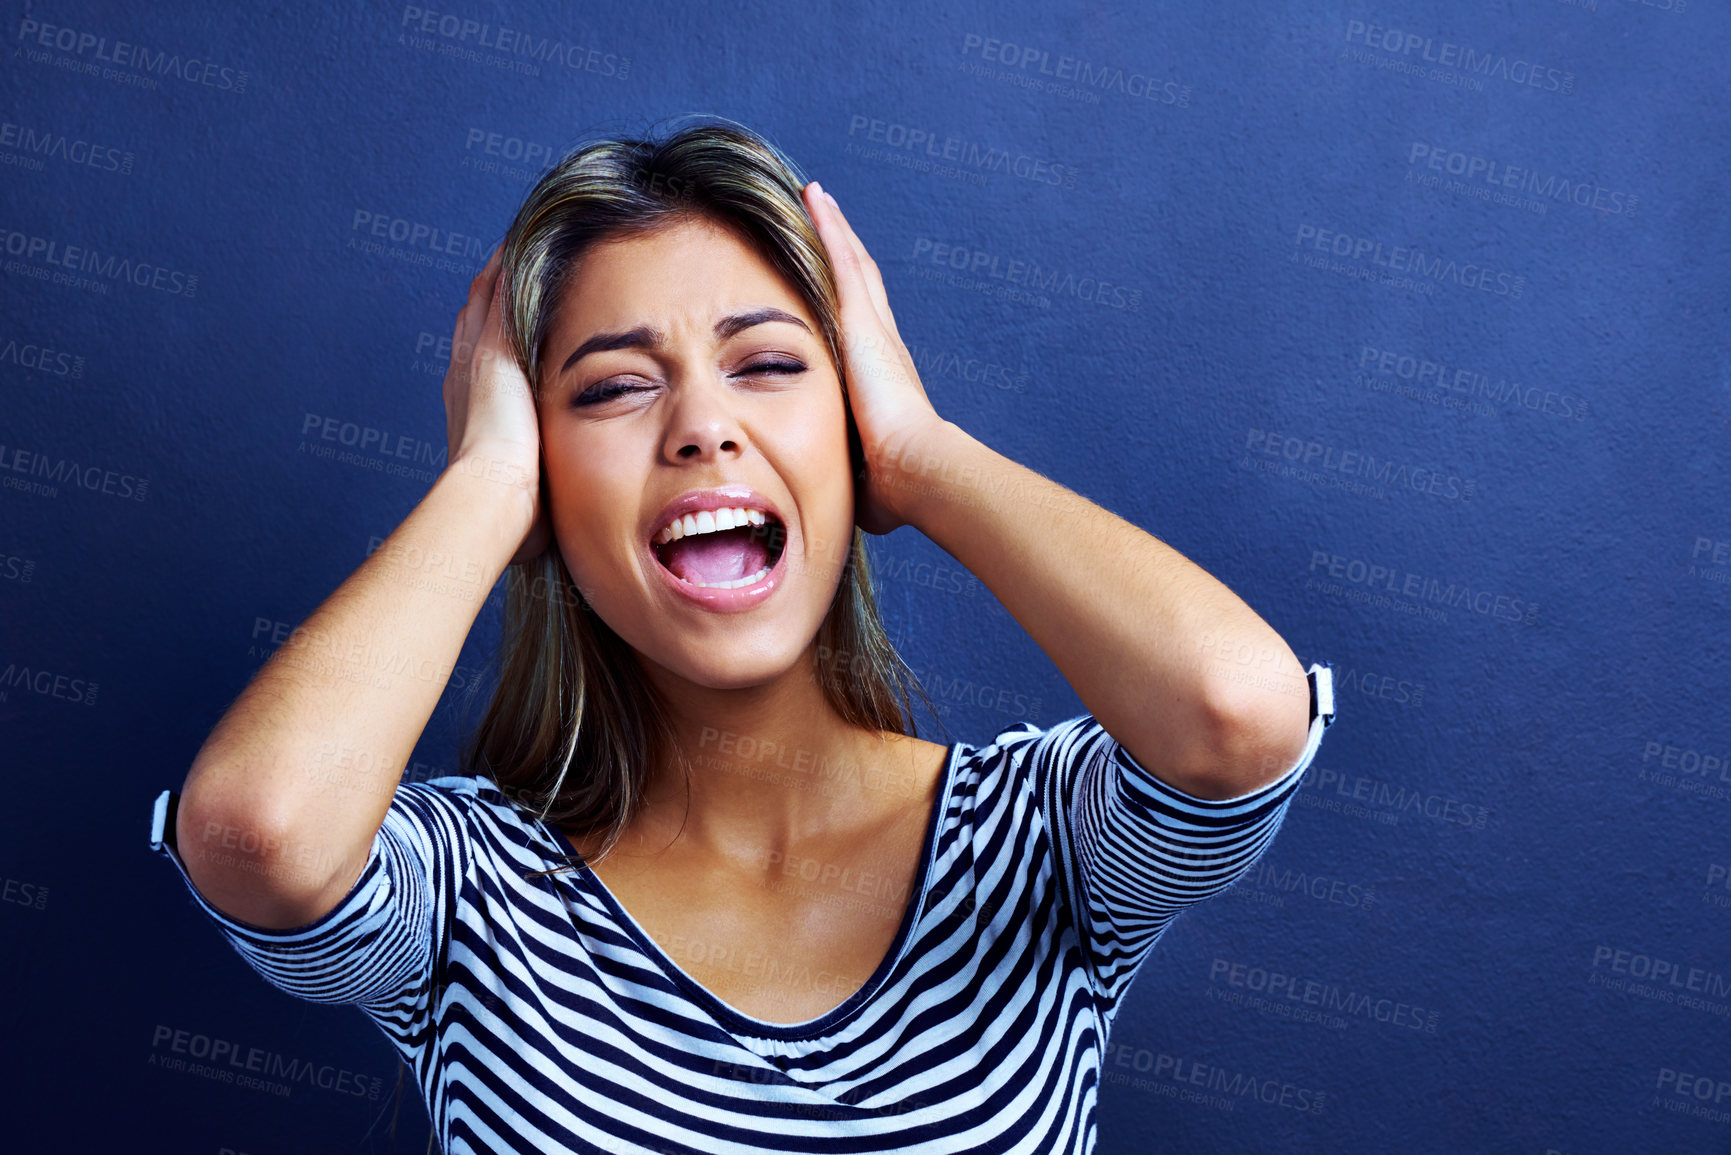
point(737, 582)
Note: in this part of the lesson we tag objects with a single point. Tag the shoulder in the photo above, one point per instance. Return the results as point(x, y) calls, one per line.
point(924, 753)
point(1027, 760)
point(1069, 738)
point(464, 790)
point(917, 762)
point(455, 800)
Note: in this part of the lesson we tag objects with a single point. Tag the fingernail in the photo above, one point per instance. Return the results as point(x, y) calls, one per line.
point(817, 188)
point(831, 200)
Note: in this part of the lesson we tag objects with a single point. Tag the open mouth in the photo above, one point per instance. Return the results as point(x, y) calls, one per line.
point(724, 549)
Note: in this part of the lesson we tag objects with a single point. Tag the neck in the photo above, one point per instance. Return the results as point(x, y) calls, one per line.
point(771, 764)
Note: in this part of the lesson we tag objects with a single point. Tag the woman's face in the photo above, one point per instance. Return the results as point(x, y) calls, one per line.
point(696, 367)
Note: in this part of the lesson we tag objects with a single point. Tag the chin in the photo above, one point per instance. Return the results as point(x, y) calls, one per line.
point(711, 669)
point(736, 649)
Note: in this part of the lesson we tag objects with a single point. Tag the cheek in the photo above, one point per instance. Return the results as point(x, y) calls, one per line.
point(591, 512)
point(814, 455)
point(819, 427)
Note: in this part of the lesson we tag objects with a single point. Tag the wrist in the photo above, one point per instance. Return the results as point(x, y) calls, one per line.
point(498, 482)
point(501, 465)
point(923, 468)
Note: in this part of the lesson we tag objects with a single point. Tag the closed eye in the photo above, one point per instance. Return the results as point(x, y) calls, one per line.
point(605, 391)
point(608, 390)
point(773, 367)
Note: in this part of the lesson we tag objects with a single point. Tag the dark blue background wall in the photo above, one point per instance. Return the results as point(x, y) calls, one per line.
point(1407, 321)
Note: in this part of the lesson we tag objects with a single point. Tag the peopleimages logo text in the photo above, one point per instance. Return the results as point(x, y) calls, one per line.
point(1407, 259)
point(1475, 169)
point(49, 252)
point(513, 42)
point(191, 69)
point(1428, 590)
point(1448, 54)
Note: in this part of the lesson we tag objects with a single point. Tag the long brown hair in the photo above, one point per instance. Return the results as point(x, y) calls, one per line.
point(574, 727)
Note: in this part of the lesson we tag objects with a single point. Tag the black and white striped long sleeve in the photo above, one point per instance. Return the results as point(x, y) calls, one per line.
point(1133, 851)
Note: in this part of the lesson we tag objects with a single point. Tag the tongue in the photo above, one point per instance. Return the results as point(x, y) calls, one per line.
point(715, 557)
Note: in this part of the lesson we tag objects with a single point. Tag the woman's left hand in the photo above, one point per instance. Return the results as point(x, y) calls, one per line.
point(889, 405)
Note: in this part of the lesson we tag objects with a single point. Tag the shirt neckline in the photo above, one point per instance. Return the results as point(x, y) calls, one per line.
point(739, 1022)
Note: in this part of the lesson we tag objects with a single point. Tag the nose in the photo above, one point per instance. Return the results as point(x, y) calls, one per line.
point(701, 423)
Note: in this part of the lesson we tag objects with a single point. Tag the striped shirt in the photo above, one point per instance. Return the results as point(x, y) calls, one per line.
point(538, 1016)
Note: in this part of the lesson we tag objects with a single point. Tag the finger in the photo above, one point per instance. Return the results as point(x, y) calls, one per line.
point(870, 275)
point(473, 315)
point(495, 367)
point(486, 282)
point(857, 279)
point(843, 257)
point(490, 267)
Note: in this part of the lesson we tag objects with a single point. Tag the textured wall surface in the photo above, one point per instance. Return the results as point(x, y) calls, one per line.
point(1406, 321)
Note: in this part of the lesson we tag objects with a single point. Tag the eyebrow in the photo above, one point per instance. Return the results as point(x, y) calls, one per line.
point(645, 337)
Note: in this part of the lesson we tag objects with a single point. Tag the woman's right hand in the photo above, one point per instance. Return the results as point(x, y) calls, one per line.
point(490, 419)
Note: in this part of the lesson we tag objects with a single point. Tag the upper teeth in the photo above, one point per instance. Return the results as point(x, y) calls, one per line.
point(709, 521)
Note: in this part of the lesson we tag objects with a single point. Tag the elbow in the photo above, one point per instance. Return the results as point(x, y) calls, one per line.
point(253, 867)
point(216, 823)
point(1256, 738)
point(222, 846)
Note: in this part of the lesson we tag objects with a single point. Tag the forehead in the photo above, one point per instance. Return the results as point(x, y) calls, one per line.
point(683, 274)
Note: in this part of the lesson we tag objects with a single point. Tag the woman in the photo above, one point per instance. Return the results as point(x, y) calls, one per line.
point(697, 889)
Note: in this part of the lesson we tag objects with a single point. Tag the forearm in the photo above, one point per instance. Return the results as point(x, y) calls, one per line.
point(1174, 665)
point(310, 754)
